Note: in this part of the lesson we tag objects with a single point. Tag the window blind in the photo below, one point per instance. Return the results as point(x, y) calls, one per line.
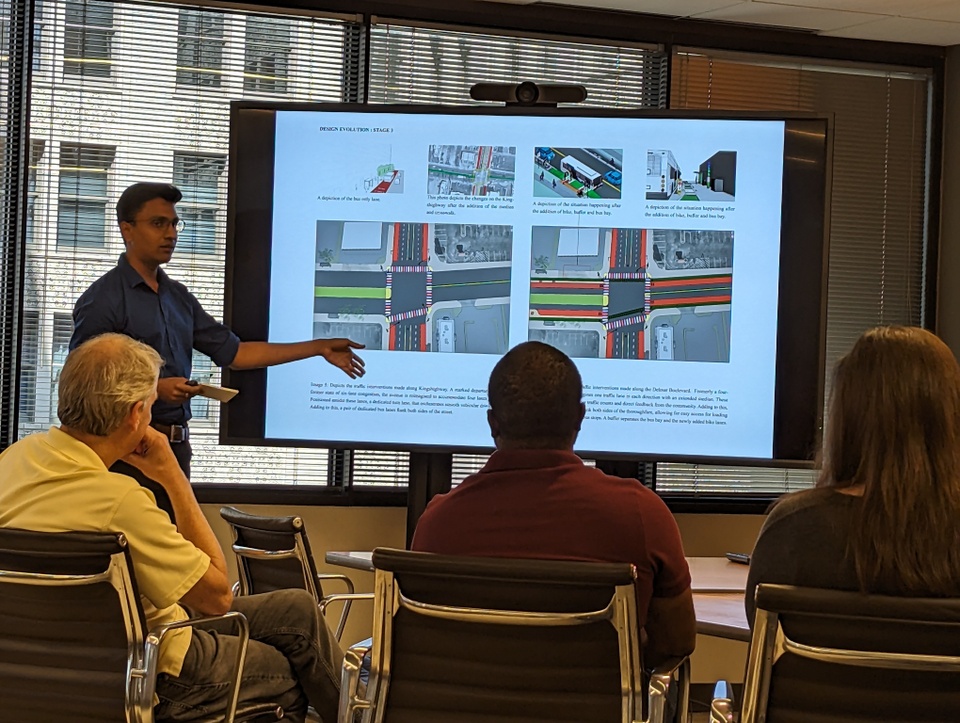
point(438, 65)
point(416, 64)
point(16, 38)
point(877, 249)
point(127, 91)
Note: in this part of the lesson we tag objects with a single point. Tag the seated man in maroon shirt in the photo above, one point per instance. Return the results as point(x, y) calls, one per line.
point(535, 498)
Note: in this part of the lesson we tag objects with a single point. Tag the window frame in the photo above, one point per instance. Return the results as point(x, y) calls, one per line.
point(599, 25)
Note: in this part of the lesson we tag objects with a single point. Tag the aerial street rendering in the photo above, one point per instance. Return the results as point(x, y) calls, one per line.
point(578, 172)
point(628, 293)
point(414, 286)
point(471, 171)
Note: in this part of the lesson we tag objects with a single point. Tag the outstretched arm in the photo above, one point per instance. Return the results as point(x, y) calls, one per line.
point(339, 352)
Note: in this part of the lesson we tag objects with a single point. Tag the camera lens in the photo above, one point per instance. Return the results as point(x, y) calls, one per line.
point(527, 92)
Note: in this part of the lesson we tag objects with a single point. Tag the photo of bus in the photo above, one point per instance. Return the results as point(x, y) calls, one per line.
point(664, 344)
point(663, 175)
point(580, 171)
point(446, 334)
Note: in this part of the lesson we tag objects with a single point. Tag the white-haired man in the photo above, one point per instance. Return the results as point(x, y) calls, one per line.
point(59, 481)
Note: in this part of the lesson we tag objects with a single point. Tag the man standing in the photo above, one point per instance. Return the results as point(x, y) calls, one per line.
point(59, 481)
point(535, 498)
point(138, 299)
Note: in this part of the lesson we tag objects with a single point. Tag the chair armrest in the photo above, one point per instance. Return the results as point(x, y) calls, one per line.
point(147, 675)
point(661, 680)
point(350, 699)
point(336, 576)
point(721, 707)
point(347, 599)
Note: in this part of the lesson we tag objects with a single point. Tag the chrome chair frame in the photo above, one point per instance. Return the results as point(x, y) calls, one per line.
point(621, 612)
point(302, 554)
point(770, 643)
point(144, 646)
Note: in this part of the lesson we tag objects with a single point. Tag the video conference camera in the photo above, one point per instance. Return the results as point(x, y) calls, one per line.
point(529, 93)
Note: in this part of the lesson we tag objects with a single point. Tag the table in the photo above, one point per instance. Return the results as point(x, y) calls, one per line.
point(717, 585)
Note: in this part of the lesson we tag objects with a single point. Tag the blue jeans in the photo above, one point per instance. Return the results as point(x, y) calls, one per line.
point(293, 660)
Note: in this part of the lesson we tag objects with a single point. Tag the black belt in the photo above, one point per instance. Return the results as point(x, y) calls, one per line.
point(176, 433)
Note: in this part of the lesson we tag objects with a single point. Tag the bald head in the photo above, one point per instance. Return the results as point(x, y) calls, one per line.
point(101, 381)
point(534, 394)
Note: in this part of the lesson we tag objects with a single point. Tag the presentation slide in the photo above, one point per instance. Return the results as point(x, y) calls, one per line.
point(646, 249)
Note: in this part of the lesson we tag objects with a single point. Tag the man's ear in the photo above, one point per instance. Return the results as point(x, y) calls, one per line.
point(583, 413)
point(135, 414)
point(494, 424)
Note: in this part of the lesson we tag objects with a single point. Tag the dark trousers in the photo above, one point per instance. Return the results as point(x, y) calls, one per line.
point(182, 452)
point(293, 660)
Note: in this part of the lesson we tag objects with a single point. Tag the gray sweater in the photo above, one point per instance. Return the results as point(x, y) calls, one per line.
point(804, 542)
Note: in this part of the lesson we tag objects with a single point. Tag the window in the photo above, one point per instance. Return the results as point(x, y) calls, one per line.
point(200, 43)
point(88, 144)
point(29, 364)
point(88, 38)
point(266, 63)
point(198, 178)
point(876, 241)
point(36, 155)
point(4, 30)
point(161, 128)
point(433, 65)
point(62, 331)
point(202, 372)
point(82, 211)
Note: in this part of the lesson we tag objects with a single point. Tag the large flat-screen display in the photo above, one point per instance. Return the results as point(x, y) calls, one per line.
point(678, 260)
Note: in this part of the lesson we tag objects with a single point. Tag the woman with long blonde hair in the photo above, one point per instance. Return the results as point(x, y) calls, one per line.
point(885, 516)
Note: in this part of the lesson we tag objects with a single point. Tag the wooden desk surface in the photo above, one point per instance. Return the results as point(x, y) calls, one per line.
point(708, 574)
point(722, 615)
point(717, 584)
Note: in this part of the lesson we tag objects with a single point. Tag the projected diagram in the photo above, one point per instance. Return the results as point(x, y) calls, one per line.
point(371, 171)
point(577, 172)
point(414, 286)
point(471, 170)
point(692, 179)
point(627, 293)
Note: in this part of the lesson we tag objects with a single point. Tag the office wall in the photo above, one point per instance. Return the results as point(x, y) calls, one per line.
point(363, 528)
point(948, 292)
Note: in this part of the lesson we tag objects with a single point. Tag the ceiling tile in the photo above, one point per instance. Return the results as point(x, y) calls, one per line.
point(879, 7)
point(939, 10)
point(671, 8)
point(765, 13)
point(904, 30)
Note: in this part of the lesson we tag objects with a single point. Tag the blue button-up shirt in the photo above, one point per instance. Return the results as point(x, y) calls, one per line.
point(170, 320)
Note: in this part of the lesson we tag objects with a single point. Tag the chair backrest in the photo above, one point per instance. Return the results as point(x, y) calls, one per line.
point(273, 553)
point(69, 614)
point(831, 657)
point(478, 639)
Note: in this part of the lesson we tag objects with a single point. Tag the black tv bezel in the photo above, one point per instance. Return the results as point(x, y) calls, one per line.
point(801, 329)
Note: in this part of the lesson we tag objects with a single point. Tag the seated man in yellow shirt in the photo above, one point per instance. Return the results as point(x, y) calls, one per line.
point(59, 481)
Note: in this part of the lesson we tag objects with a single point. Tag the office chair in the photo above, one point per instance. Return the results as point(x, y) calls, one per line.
point(473, 640)
point(73, 640)
point(273, 553)
point(826, 656)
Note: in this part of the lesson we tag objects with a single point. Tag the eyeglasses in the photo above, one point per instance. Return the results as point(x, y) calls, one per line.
point(161, 223)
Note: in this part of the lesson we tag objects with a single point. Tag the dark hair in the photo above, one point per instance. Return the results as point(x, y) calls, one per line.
point(894, 428)
point(534, 394)
point(133, 198)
